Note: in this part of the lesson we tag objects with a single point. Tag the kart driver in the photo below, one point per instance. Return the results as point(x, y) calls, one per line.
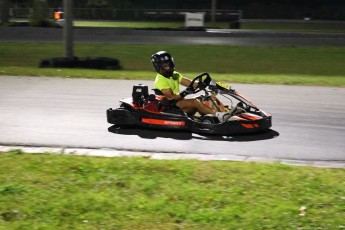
point(168, 81)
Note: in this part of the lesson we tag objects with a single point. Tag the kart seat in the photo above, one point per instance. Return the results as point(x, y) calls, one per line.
point(160, 104)
point(166, 105)
point(158, 92)
point(164, 101)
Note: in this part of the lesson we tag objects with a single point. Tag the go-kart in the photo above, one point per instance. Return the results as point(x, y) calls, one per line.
point(158, 112)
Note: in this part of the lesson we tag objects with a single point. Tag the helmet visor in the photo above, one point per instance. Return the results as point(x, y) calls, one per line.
point(166, 66)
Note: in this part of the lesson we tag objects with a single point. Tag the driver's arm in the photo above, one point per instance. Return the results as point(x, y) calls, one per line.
point(169, 93)
point(186, 82)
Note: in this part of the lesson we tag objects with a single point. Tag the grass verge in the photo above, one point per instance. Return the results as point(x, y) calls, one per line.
point(270, 65)
point(303, 26)
point(275, 79)
point(44, 191)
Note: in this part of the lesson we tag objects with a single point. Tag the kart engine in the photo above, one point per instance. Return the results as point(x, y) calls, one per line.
point(139, 94)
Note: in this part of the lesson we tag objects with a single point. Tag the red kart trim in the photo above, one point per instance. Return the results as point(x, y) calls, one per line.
point(251, 117)
point(250, 126)
point(163, 122)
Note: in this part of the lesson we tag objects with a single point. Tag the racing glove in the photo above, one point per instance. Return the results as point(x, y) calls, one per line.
point(185, 92)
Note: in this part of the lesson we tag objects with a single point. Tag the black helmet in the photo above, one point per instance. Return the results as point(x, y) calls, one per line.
point(163, 63)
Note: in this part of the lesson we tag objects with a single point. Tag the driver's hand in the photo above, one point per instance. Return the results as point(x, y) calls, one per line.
point(214, 97)
point(196, 84)
point(186, 92)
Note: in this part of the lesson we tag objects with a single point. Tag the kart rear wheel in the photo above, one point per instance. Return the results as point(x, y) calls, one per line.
point(209, 119)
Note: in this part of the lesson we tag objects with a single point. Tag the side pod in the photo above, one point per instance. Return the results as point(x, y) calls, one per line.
point(120, 117)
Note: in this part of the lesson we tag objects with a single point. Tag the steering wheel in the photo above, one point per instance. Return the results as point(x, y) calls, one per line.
point(202, 84)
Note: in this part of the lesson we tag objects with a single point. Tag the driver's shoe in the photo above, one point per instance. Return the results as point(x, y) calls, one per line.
point(237, 110)
point(209, 119)
point(223, 116)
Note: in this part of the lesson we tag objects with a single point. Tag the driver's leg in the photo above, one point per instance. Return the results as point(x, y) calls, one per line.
point(193, 105)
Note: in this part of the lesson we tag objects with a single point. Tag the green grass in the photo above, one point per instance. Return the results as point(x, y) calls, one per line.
point(303, 26)
point(322, 66)
point(127, 24)
point(145, 24)
point(283, 26)
point(297, 27)
point(42, 191)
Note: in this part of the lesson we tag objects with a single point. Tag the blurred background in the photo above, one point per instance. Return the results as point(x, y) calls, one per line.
point(173, 10)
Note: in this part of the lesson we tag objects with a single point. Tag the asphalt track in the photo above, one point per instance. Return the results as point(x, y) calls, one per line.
point(308, 122)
